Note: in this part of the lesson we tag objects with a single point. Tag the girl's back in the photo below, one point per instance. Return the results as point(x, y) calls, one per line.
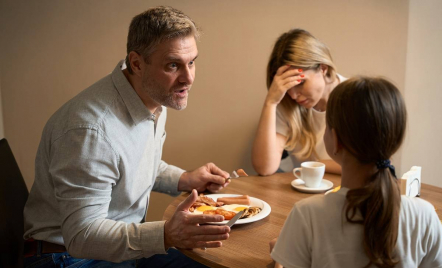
point(316, 234)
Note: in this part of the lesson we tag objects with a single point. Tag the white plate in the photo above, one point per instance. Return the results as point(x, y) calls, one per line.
point(254, 202)
point(300, 186)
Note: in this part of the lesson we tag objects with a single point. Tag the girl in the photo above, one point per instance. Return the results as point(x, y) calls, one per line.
point(367, 223)
point(300, 77)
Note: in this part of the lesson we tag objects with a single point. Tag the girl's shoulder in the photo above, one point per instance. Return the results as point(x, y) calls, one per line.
point(322, 203)
point(415, 205)
point(418, 212)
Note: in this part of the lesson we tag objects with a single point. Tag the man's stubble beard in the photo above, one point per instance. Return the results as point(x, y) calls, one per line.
point(163, 96)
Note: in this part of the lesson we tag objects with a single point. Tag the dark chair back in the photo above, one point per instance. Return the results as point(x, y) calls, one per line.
point(13, 196)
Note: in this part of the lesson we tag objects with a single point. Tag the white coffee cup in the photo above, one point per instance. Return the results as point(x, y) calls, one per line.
point(311, 173)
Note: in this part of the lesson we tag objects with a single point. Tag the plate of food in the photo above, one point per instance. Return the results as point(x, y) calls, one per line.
point(230, 204)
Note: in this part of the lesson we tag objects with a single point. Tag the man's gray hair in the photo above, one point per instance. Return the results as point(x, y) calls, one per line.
point(155, 25)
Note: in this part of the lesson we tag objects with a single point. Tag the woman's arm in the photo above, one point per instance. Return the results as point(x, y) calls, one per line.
point(269, 145)
point(331, 166)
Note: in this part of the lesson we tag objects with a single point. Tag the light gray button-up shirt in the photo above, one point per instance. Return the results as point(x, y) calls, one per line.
point(98, 160)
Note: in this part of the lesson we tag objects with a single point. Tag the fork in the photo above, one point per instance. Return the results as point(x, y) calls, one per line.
point(233, 175)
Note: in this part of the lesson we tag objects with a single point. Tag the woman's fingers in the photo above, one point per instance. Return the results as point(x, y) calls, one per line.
point(285, 78)
point(291, 72)
point(289, 78)
point(293, 81)
point(282, 69)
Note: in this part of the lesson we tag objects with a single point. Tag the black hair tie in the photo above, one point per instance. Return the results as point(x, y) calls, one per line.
point(381, 164)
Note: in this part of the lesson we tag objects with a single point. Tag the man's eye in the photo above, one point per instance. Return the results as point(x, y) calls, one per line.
point(173, 65)
point(191, 63)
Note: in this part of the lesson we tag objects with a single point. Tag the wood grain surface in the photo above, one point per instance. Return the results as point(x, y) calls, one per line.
point(248, 244)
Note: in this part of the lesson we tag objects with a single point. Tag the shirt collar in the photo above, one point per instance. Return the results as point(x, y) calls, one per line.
point(137, 110)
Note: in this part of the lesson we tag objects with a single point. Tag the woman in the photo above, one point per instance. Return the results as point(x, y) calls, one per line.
point(367, 223)
point(300, 77)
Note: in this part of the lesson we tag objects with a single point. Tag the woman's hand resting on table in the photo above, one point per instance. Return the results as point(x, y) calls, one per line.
point(183, 230)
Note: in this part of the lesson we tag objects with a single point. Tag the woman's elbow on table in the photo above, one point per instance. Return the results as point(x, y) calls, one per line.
point(264, 170)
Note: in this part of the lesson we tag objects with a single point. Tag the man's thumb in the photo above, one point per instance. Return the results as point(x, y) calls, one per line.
point(187, 203)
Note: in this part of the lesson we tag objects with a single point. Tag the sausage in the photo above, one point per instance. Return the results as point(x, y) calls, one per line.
point(228, 215)
point(241, 173)
point(240, 200)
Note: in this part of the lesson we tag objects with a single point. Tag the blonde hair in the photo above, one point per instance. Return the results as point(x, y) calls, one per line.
point(379, 105)
point(299, 48)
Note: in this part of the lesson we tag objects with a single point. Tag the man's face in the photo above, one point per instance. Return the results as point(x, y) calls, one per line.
point(170, 72)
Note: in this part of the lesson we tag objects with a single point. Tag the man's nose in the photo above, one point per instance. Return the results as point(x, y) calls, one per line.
point(188, 75)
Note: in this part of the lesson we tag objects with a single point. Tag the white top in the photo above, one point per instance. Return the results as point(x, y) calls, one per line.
point(318, 125)
point(316, 234)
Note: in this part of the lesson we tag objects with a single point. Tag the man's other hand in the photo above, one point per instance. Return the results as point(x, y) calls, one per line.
point(208, 177)
point(183, 230)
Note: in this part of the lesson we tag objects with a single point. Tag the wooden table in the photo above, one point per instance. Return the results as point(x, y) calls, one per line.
point(248, 244)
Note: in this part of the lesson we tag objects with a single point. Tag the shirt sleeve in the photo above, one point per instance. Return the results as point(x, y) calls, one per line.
point(168, 176)
point(294, 244)
point(84, 169)
point(167, 179)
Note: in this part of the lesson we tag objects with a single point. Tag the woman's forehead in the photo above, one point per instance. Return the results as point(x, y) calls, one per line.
point(314, 68)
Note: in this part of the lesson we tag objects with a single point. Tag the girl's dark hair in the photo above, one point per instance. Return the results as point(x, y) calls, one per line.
point(369, 117)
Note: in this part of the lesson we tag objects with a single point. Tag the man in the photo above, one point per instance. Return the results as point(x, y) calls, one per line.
point(100, 157)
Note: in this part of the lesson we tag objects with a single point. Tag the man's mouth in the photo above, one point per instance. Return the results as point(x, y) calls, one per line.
point(182, 93)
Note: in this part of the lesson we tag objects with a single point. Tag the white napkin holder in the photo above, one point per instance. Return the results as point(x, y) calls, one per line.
point(411, 182)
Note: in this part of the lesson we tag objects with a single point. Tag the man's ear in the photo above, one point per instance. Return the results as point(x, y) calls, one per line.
point(337, 145)
point(136, 62)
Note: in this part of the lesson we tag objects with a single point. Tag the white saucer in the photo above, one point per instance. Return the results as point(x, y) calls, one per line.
point(300, 186)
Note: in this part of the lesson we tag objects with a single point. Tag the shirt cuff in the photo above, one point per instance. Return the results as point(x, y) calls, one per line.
point(152, 238)
point(168, 181)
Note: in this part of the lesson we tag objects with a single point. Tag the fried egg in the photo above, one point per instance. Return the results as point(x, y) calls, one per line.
point(201, 209)
point(233, 207)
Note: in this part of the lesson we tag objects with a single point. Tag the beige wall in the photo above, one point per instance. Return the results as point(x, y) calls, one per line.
point(423, 90)
point(51, 50)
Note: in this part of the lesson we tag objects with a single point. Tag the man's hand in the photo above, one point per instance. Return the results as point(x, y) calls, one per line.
point(208, 177)
point(183, 230)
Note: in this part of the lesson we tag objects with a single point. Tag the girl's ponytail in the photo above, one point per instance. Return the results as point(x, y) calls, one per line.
point(369, 117)
point(379, 204)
